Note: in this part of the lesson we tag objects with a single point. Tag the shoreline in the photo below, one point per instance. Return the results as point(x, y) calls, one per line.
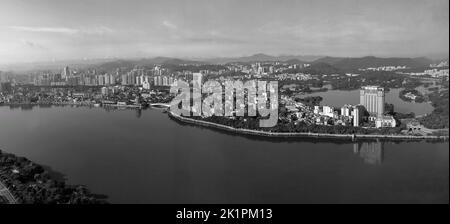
point(257, 132)
point(18, 173)
point(48, 104)
point(81, 104)
point(300, 134)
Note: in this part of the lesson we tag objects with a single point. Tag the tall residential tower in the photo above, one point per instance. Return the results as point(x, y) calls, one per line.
point(372, 98)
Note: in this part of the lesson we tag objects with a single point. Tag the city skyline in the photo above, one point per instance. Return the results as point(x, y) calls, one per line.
point(63, 30)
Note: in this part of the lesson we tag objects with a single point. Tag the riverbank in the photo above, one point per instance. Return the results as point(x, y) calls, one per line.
point(300, 134)
point(87, 104)
point(50, 104)
point(83, 104)
point(25, 182)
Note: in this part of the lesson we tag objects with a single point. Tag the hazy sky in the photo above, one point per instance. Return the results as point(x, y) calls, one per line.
point(39, 30)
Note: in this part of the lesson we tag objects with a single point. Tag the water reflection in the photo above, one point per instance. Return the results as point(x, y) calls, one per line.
point(21, 107)
point(162, 161)
point(26, 107)
point(371, 152)
point(138, 113)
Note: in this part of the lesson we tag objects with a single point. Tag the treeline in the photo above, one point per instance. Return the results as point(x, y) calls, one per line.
point(194, 68)
point(282, 126)
point(439, 117)
point(310, 100)
point(384, 79)
point(31, 183)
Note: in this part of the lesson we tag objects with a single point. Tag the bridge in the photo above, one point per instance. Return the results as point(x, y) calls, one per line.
point(4, 192)
point(166, 105)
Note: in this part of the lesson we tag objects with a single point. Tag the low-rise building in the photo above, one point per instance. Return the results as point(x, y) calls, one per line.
point(385, 121)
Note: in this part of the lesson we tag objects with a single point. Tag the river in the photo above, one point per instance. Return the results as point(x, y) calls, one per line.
point(145, 157)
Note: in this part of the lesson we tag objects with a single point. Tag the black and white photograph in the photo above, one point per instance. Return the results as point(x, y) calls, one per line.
point(224, 102)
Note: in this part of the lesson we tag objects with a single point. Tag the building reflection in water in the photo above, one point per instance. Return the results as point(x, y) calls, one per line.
point(138, 113)
point(371, 152)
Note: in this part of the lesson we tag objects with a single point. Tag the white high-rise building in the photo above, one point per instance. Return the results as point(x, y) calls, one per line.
point(328, 111)
point(107, 79)
point(165, 81)
point(146, 84)
point(65, 73)
point(105, 90)
point(100, 80)
point(139, 80)
point(346, 110)
point(124, 80)
point(372, 98)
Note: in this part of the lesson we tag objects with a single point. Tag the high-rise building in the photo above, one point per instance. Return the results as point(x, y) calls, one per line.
point(372, 98)
point(140, 80)
point(346, 110)
point(105, 90)
point(107, 79)
point(328, 111)
point(131, 78)
point(101, 80)
point(124, 80)
point(146, 79)
point(66, 72)
point(357, 113)
point(158, 80)
point(146, 85)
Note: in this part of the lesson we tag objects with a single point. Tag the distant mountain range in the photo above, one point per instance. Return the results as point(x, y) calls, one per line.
point(317, 62)
point(264, 57)
point(371, 61)
point(329, 63)
point(131, 63)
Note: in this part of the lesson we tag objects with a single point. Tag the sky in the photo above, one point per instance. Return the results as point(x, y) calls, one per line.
point(45, 30)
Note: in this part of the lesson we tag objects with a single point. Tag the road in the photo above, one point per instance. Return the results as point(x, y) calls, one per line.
point(7, 194)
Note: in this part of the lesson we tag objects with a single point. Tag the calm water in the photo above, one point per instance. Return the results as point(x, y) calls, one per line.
point(338, 98)
point(148, 158)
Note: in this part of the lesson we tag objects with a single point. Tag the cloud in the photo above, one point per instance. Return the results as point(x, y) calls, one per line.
point(169, 25)
point(45, 29)
point(64, 30)
point(32, 44)
point(28, 43)
point(350, 31)
point(100, 30)
point(180, 35)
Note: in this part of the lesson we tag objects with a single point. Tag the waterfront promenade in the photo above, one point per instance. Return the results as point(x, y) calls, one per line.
point(302, 134)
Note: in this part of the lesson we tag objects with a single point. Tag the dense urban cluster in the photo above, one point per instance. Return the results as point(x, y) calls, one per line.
point(123, 85)
point(306, 115)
